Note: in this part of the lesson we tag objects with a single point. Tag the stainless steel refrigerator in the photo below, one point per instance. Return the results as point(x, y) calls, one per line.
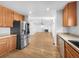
point(21, 30)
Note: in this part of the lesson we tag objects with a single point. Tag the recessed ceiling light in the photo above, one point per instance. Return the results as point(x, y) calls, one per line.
point(30, 12)
point(47, 9)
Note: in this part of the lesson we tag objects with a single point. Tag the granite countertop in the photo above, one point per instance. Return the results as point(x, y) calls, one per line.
point(67, 37)
point(8, 35)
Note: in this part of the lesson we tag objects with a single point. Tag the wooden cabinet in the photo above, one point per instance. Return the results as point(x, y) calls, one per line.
point(7, 16)
point(18, 17)
point(2, 21)
point(69, 14)
point(7, 44)
point(65, 22)
point(21, 17)
point(66, 50)
point(70, 52)
point(1, 15)
point(72, 14)
point(12, 42)
point(3, 46)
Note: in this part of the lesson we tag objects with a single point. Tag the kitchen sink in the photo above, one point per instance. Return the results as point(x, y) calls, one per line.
point(76, 43)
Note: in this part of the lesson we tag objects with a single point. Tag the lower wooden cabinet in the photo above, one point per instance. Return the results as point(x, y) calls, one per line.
point(70, 52)
point(65, 49)
point(7, 44)
point(12, 43)
point(3, 47)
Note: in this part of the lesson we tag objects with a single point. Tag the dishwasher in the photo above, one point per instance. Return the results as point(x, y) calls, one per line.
point(60, 44)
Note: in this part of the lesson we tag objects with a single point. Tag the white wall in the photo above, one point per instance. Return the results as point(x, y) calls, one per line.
point(75, 30)
point(56, 22)
point(37, 16)
point(58, 25)
point(35, 24)
point(59, 22)
point(54, 25)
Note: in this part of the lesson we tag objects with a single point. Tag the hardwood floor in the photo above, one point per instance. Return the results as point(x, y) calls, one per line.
point(40, 47)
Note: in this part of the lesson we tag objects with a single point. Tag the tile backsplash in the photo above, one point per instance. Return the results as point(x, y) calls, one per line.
point(4, 31)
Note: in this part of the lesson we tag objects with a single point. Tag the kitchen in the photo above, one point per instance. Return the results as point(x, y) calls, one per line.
point(59, 18)
point(68, 41)
point(14, 30)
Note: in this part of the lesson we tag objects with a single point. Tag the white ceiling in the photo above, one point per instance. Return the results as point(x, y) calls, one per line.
point(24, 7)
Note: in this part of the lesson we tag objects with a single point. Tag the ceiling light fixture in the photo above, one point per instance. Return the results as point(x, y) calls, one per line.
point(47, 9)
point(30, 12)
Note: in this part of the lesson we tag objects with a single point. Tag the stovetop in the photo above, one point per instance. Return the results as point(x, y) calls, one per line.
point(76, 43)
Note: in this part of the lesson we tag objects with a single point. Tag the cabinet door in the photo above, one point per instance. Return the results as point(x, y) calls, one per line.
point(1, 16)
point(4, 16)
point(68, 54)
point(70, 17)
point(12, 43)
point(65, 22)
point(70, 51)
point(9, 18)
point(21, 17)
point(16, 17)
point(72, 14)
point(3, 47)
point(12, 14)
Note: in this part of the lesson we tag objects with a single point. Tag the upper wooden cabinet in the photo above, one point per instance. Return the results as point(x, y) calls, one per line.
point(1, 15)
point(7, 16)
point(65, 21)
point(69, 15)
point(18, 17)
